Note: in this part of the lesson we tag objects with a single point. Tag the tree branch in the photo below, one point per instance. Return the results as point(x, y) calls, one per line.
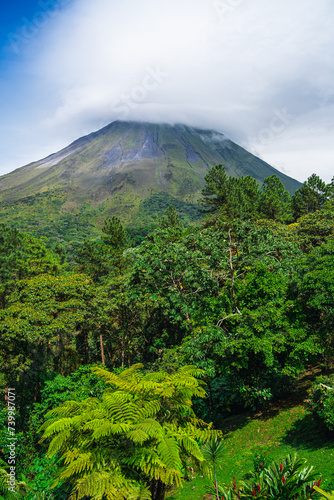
point(327, 387)
point(229, 316)
point(232, 271)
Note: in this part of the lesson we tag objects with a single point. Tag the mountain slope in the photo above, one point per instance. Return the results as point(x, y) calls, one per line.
point(115, 170)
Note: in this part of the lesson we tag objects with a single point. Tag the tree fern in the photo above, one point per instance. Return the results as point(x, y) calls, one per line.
point(142, 431)
point(58, 441)
point(120, 407)
point(169, 452)
point(82, 463)
point(149, 409)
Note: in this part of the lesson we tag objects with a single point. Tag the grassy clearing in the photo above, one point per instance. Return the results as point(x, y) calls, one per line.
point(286, 428)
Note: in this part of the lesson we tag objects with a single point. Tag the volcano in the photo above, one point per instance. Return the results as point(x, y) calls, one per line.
point(125, 164)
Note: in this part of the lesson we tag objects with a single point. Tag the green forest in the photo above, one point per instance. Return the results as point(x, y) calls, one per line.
point(128, 365)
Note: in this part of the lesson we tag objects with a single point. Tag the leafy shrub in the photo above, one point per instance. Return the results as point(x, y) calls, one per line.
point(291, 478)
point(325, 494)
point(322, 400)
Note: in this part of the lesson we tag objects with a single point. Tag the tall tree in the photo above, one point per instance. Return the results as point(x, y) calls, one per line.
point(170, 219)
point(315, 228)
point(251, 197)
point(330, 188)
point(38, 330)
point(116, 240)
point(21, 256)
point(114, 234)
point(310, 197)
point(92, 260)
point(275, 201)
point(232, 197)
point(215, 193)
point(177, 272)
point(316, 295)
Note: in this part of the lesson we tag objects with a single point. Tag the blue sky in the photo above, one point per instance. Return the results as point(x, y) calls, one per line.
point(12, 14)
point(261, 72)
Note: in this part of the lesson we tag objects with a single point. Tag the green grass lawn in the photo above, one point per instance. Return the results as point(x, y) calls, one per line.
point(288, 428)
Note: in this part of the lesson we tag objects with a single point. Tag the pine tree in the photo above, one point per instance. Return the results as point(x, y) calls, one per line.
point(114, 234)
point(170, 219)
point(92, 260)
point(231, 197)
point(216, 192)
point(116, 240)
point(275, 201)
point(310, 197)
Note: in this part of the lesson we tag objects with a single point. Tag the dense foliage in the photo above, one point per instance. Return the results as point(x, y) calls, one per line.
point(322, 401)
point(246, 298)
point(290, 479)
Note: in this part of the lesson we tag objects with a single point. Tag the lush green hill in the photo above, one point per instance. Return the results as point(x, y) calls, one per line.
point(131, 170)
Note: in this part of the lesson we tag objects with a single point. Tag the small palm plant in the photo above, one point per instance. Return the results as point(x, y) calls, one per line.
point(213, 452)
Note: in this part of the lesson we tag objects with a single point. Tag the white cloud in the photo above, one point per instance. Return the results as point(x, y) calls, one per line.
point(226, 64)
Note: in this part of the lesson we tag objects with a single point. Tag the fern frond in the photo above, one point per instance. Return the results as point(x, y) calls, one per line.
point(149, 409)
point(71, 455)
point(70, 408)
point(139, 491)
point(121, 380)
point(167, 391)
point(98, 485)
point(137, 435)
point(58, 426)
point(108, 429)
point(150, 426)
point(131, 370)
point(99, 413)
point(145, 459)
point(190, 446)
point(47, 424)
point(169, 452)
point(155, 376)
point(83, 463)
point(93, 424)
point(191, 370)
point(120, 407)
point(106, 376)
point(58, 442)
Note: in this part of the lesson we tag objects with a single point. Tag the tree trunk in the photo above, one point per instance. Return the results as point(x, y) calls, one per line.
point(216, 484)
point(158, 489)
point(60, 356)
point(102, 350)
point(87, 361)
point(210, 399)
point(82, 345)
point(232, 272)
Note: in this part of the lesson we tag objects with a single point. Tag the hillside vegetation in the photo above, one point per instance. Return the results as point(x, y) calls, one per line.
point(128, 170)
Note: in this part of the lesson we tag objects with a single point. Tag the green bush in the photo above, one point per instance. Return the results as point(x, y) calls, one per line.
point(321, 400)
point(285, 480)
